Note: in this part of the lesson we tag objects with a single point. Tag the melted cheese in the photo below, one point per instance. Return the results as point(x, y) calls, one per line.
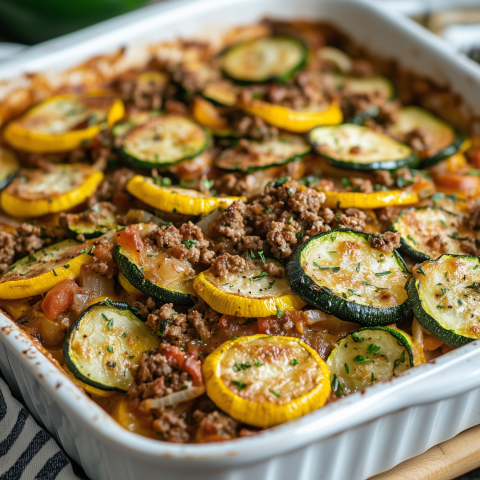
point(445, 294)
point(361, 277)
point(277, 374)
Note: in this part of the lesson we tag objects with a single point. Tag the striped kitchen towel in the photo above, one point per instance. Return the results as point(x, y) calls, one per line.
point(26, 451)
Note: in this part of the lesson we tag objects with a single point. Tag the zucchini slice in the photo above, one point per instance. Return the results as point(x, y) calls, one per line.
point(9, 166)
point(342, 274)
point(161, 276)
point(222, 92)
point(250, 293)
point(122, 128)
point(261, 155)
point(367, 356)
point(444, 294)
point(39, 272)
point(92, 223)
point(337, 57)
point(105, 345)
point(443, 139)
point(428, 232)
point(364, 85)
point(264, 59)
point(163, 141)
point(179, 200)
point(35, 192)
point(264, 381)
point(354, 147)
point(64, 122)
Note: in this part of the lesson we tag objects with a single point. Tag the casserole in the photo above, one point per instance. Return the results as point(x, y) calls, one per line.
point(97, 447)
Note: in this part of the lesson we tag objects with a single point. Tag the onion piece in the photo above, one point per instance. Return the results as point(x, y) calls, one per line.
point(182, 396)
point(417, 337)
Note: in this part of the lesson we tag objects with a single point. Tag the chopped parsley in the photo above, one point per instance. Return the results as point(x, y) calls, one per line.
point(358, 267)
point(294, 361)
point(109, 348)
point(257, 277)
point(257, 363)
point(347, 369)
point(279, 312)
point(277, 394)
point(333, 269)
point(373, 349)
point(337, 386)
point(356, 338)
point(240, 385)
point(381, 274)
point(124, 334)
point(260, 254)
point(362, 359)
point(241, 366)
point(190, 243)
point(420, 271)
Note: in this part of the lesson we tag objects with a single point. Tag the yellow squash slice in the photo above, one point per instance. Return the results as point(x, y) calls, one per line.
point(264, 381)
point(63, 122)
point(207, 115)
point(293, 120)
point(369, 200)
point(36, 192)
point(122, 280)
point(176, 199)
point(41, 271)
point(250, 293)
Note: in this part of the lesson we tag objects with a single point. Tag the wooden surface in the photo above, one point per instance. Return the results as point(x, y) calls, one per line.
point(446, 461)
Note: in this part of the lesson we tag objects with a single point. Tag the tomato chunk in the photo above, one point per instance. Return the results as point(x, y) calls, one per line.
point(132, 242)
point(175, 356)
point(463, 183)
point(59, 299)
point(194, 368)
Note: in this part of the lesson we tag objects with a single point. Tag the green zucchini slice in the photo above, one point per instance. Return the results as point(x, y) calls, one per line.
point(222, 92)
point(354, 147)
point(364, 85)
point(261, 155)
point(445, 297)
point(161, 276)
point(369, 355)
point(264, 59)
point(163, 141)
point(342, 274)
point(105, 345)
point(444, 140)
point(92, 223)
point(9, 166)
point(428, 232)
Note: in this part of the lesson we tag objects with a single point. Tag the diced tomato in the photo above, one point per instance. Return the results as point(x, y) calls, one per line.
point(132, 242)
point(194, 368)
point(474, 158)
point(423, 187)
point(175, 356)
point(59, 299)
point(462, 183)
point(224, 321)
point(265, 324)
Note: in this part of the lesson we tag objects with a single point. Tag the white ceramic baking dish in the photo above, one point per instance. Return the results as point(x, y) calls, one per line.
point(352, 439)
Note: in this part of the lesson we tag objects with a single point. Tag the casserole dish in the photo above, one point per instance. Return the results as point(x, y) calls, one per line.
point(318, 443)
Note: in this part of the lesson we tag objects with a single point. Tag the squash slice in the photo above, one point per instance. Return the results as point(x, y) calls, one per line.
point(445, 295)
point(64, 122)
point(297, 121)
point(367, 356)
point(105, 345)
point(369, 200)
point(342, 274)
point(9, 166)
point(176, 199)
point(34, 192)
point(264, 381)
point(251, 293)
point(41, 271)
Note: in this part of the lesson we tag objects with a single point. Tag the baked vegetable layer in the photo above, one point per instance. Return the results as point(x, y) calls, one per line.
point(264, 381)
point(105, 345)
point(342, 274)
point(264, 59)
point(367, 356)
point(444, 294)
point(428, 232)
point(9, 166)
point(359, 148)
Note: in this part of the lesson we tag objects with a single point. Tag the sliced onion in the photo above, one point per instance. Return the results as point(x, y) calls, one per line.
point(314, 316)
point(182, 396)
point(206, 222)
point(99, 284)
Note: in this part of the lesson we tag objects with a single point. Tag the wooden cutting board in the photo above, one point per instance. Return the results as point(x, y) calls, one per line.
point(445, 461)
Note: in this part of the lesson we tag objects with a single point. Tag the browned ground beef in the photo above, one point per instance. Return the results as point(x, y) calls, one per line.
point(386, 242)
point(227, 263)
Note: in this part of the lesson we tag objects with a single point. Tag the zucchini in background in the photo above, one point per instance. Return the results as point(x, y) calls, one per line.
point(442, 140)
point(9, 166)
point(261, 155)
point(221, 92)
point(378, 84)
point(264, 59)
point(157, 273)
point(163, 141)
point(340, 273)
point(428, 232)
point(367, 356)
point(92, 223)
point(105, 345)
point(445, 297)
point(354, 147)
